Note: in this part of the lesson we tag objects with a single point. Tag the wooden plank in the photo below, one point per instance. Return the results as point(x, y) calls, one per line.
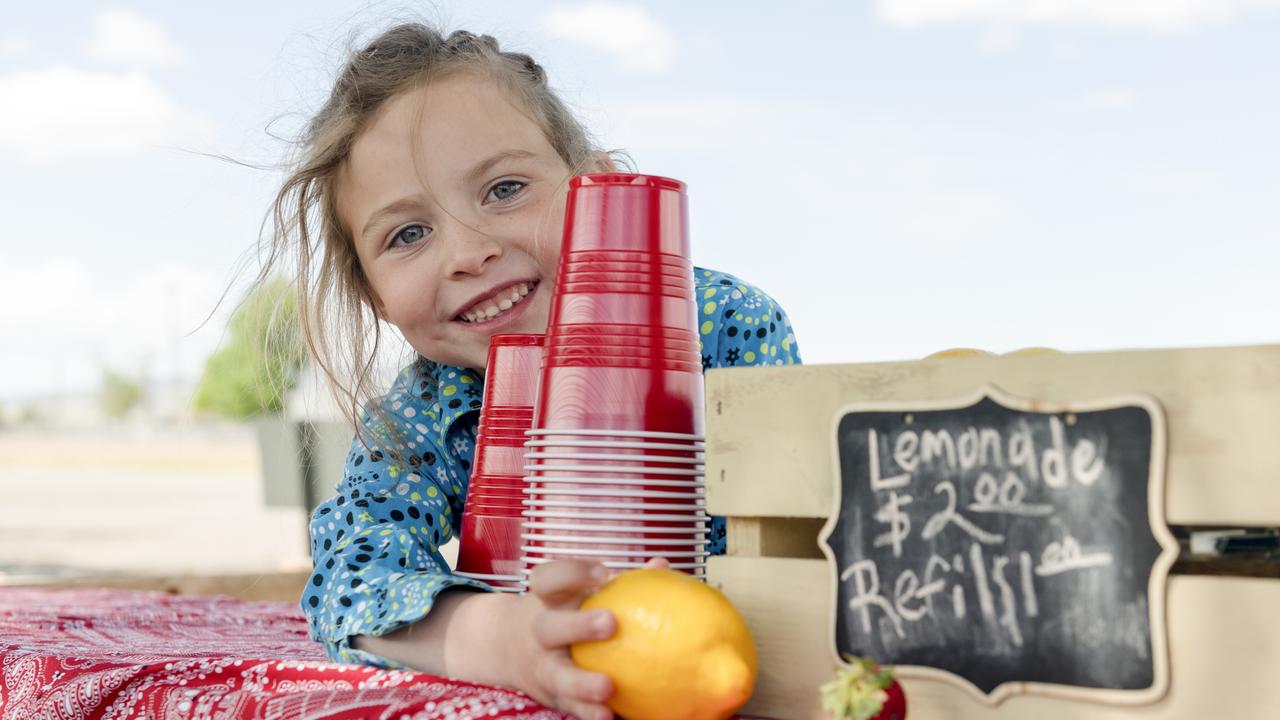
point(773, 537)
point(1224, 643)
point(770, 429)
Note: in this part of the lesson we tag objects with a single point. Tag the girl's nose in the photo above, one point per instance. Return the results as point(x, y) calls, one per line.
point(470, 250)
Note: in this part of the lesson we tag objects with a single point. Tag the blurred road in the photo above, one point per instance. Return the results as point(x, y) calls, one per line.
point(140, 501)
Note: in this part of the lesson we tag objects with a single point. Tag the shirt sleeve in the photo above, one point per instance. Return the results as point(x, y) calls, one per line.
point(743, 326)
point(376, 545)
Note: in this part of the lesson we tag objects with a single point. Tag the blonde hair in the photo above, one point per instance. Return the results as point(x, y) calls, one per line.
point(337, 305)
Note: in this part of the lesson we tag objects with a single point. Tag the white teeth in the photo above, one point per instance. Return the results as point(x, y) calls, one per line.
point(515, 293)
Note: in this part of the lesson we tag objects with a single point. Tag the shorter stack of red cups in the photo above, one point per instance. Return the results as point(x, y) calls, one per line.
point(489, 543)
point(614, 469)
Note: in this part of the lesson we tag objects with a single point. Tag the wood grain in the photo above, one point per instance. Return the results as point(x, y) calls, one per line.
point(1224, 642)
point(770, 430)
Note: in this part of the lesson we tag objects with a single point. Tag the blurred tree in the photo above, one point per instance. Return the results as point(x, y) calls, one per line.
point(120, 394)
point(259, 364)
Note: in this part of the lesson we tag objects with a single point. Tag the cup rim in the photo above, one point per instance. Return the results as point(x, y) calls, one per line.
point(624, 362)
point(536, 537)
point(554, 480)
point(538, 455)
point(619, 444)
point(656, 182)
point(508, 410)
point(516, 339)
point(691, 518)
point(678, 291)
point(487, 577)
point(590, 432)
point(646, 253)
point(610, 492)
point(649, 256)
point(536, 503)
point(621, 346)
point(693, 556)
point(613, 470)
point(619, 565)
point(573, 527)
point(594, 552)
point(512, 479)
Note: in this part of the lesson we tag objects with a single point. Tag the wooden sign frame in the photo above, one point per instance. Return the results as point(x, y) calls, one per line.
point(1158, 621)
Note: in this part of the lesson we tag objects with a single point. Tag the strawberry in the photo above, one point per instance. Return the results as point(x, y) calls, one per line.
point(864, 691)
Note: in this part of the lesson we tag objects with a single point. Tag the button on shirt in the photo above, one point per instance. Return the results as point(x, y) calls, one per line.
point(376, 545)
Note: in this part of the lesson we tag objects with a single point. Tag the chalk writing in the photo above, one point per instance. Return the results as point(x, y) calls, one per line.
point(966, 538)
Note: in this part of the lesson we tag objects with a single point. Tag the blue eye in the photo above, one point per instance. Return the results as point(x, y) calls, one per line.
point(408, 235)
point(505, 190)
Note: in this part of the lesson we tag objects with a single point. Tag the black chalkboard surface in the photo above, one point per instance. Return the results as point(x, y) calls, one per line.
point(1017, 546)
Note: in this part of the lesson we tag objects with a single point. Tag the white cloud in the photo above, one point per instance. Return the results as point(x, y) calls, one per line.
point(999, 39)
point(1105, 101)
point(627, 32)
point(1152, 15)
point(63, 329)
point(64, 111)
point(14, 46)
point(121, 36)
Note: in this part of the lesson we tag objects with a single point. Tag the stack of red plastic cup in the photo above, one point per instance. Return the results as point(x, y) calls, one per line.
point(615, 464)
point(489, 542)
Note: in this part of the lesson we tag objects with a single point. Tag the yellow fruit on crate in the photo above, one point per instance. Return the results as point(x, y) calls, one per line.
point(1034, 351)
point(681, 652)
point(952, 353)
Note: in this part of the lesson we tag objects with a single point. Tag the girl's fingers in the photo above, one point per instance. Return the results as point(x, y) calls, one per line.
point(563, 583)
point(559, 628)
point(573, 686)
point(657, 562)
point(588, 711)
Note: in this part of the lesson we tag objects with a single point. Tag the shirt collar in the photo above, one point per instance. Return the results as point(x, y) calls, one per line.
point(458, 391)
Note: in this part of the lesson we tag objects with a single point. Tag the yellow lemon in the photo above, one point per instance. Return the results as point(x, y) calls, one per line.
point(681, 652)
point(1034, 351)
point(958, 353)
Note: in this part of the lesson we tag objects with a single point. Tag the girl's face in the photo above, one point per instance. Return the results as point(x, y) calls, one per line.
point(455, 202)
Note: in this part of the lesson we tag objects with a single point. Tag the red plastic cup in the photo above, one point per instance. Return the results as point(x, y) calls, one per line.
point(502, 457)
point(598, 396)
point(511, 375)
point(489, 544)
point(483, 484)
point(621, 355)
point(622, 211)
point(626, 244)
point(641, 256)
point(594, 308)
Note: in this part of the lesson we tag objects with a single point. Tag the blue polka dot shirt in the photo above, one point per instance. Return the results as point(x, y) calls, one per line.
point(376, 544)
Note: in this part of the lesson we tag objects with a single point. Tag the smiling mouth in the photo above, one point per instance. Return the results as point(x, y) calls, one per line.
point(500, 303)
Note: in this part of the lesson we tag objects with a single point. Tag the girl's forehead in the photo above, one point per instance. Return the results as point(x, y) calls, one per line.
point(446, 122)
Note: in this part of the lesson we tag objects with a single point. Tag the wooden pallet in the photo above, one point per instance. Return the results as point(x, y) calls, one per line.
point(771, 471)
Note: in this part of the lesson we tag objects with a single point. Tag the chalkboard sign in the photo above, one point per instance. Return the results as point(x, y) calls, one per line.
point(1006, 545)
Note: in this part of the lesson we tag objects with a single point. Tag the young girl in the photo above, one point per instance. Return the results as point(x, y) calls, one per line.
point(430, 195)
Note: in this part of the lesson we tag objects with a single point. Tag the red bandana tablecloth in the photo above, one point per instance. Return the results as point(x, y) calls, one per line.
point(112, 654)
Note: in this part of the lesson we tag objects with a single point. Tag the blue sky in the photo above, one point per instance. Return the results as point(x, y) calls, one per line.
point(902, 175)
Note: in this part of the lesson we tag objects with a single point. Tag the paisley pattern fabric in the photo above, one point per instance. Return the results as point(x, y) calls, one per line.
point(375, 545)
point(112, 654)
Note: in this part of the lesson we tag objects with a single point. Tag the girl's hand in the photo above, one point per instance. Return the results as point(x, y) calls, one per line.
point(544, 669)
point(548, 622)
